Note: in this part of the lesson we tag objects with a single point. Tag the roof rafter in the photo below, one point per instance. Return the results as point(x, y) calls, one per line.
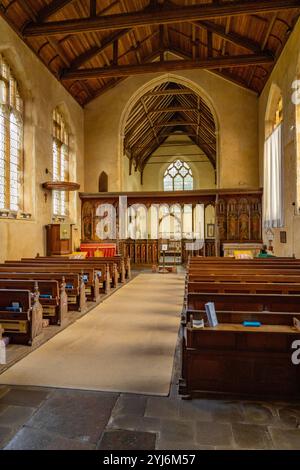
point(169, 66)
point(50, 10)
point(157, 16)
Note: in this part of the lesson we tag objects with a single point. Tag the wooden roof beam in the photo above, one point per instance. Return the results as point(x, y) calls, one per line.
point(175, 91)
point(96, 50)
point(232, 37)
point(169, 66)
point(153, 17)
point(224, 74)
point(28, 9)
point(50, 10)
point(174, 109)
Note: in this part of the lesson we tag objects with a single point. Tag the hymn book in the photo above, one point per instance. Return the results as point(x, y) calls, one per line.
point(211, 314)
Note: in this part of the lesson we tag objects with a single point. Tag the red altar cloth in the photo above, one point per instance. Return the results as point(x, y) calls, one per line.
point(108, 249)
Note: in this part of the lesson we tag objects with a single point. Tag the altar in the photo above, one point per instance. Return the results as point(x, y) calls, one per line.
point(105, 250)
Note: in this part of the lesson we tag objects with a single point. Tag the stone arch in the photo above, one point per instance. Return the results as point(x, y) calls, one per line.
point(275, 94)
point(169, 77)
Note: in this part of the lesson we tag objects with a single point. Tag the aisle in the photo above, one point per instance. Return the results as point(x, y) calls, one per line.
point(125, 344)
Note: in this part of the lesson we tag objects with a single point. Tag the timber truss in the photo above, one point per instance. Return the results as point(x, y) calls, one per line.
point(91, 45)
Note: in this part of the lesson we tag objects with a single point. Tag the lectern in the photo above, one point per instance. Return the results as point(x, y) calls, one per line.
point(59, 239)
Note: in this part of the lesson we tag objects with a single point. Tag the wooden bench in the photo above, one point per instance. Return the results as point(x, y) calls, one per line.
point(105, 272)
point(88, 273)
point(244, 287)
point(123, 264)
point(53, 299)
point(233, 360)
point(244, 302)
point(21, 326)
point(74, 285)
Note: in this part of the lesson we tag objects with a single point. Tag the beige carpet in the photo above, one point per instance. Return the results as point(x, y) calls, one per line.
point(125, 344)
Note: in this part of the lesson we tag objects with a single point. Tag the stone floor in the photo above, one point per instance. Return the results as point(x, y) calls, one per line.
point(39, 418)
point(57, 419)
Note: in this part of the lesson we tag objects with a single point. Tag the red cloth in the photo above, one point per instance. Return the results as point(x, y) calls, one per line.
point(108, 249)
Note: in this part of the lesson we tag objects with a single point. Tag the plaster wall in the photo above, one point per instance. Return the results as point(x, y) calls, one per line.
point(202, 169)
point(284, 74)
point(234, 109)
point(41, 93)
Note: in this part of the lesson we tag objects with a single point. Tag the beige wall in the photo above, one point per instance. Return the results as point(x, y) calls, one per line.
point(283, 75)
point(234, 108)
point(41, 93)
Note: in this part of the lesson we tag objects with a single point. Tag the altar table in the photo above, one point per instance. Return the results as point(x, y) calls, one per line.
point(104, 249)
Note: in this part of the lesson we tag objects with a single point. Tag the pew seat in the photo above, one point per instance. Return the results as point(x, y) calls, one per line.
point(21, 324)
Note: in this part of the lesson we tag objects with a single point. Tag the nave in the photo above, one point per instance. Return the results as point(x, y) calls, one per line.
point(57, 418)
point(124, 344)
point(56, 415)
point(150, 225)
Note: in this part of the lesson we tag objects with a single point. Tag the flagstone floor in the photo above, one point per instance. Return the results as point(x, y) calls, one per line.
point(39, 418)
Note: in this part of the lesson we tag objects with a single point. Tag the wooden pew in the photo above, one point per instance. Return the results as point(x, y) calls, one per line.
point(116, 265)
point(74, 285)
point(233, 360)
point(123, 264)
point(106, 272)
point(21, 326)
point(265, 278)
point(53, 300)
point(88, 273)
point(244, 302)
point(244, 287)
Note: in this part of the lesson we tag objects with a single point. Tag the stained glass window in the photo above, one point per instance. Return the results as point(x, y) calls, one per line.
point(178, 177)
point(11, 138)
point(60, 153)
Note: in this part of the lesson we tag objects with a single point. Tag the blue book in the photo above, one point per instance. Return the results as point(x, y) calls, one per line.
point(252, 323)
point(12, 309)
point(211, 314)
point(45, 296)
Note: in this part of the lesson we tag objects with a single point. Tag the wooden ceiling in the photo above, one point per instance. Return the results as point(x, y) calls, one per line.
point(90, 45)
point(168, 109)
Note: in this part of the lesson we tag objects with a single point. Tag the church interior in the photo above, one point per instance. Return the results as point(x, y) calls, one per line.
point(149, 225)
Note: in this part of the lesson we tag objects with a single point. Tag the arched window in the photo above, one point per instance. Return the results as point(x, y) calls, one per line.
point(178, 177)
point(278, 117)
point(60, 153)
point(11, 138)
point(296, 100)
point(273, 162)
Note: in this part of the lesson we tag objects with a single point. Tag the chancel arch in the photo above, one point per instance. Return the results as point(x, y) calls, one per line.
point(170, 120)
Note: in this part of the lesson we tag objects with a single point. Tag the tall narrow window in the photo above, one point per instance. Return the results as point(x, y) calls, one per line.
point(297, 103)
point(178, 177)
point(11, 138)
point(273, 173)
point(60, 149)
